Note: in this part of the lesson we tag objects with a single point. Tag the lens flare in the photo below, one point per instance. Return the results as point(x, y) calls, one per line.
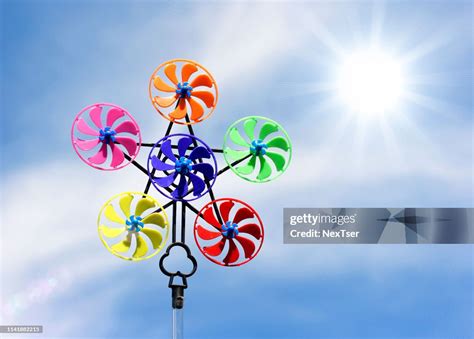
point(370, 82)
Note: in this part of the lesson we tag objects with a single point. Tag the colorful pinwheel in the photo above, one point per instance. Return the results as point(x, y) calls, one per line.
point(192, 169)
point(133, 225)
point(190, 94)
point(228, 232)
point(96, 141)
point(271, 146)
point(142, 234)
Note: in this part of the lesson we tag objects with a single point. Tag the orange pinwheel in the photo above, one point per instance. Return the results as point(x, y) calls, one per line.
point(183, 91)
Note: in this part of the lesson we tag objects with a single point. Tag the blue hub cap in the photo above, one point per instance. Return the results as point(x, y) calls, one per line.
point(107, 135)
point(184, 90)
point(183, 165)
point(134, 223)
point(230, 230)
point(258, 147)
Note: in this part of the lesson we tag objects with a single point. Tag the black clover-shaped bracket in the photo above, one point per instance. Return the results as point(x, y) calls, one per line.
point(178, 282)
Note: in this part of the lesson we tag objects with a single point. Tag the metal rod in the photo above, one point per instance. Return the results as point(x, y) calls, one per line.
point(146, 144)
point(136, 164)
point(233, 164)
point(216, 210)
point(173, 236)
point(183, 222)
point(192, 208)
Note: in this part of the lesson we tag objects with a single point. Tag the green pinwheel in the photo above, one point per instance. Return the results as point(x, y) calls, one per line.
point(253, 138)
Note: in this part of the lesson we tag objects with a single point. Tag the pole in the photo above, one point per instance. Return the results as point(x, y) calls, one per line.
point(178, 323)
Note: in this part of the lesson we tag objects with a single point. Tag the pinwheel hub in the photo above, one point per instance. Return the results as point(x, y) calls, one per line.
point(134, 223)
point(230, 230)
point(184, 90)
point(183, 165)
point(258, 147)
point(107, 135)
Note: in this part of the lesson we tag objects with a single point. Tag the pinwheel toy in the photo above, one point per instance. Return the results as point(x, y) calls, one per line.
point(230, 235)
point(106, 144)
point(178, 87)
point(263, 139)
point(182, 168)
point(135, 225)
point(197, 165)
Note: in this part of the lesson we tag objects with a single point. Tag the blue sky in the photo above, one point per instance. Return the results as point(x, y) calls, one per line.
point(272, 59)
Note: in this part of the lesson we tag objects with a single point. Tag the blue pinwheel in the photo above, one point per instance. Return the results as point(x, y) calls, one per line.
point(192, 169)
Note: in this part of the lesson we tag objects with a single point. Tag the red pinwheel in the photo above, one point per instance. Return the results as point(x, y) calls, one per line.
point(228, 232)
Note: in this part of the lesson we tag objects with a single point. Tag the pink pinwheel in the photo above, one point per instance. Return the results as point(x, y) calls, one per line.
point(96, 141)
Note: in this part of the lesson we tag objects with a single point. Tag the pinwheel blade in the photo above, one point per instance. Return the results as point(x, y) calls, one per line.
point(252, 229)
point(247, 244)
point(160, 165)
point(101, 156)
point(112, 215)
point(249, 127)
point(170, 71)
point(216, 249)
point(163, 86)
point(117, 156)
point(111, 232)
point(113, 115)
point(123, 246)
point(233, 254)
point(265, 169)
point(165, 101)
point(182, 188)
point(156, 219)
point(127, 127)
point(235, 136)
point(248, 168)
point(155, 237)
point(201, 80)
point(198, 184)
point(225, 208)
point(205, 96)
point(210, 217)
point(242, 214)
point(206, 169)
point(197, 111)
point(183, 145)
point(278, 160)
point(87, 145)
point(187, 71)
point(267, 128)
point(95, 115)
point(279, 142)
point(84, 127)
point(199, 152)
point(166, 181)
point(129, 144)
point(142, 205)
point(125, 203)
point(142, 247)
point(180, 111)
point(236, 154)
point(167, 150)
point(206, 234)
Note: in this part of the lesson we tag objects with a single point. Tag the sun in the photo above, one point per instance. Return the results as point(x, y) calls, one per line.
point(370, 82)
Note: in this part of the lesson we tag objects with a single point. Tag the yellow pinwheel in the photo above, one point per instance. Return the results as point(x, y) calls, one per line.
point(139, 232)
